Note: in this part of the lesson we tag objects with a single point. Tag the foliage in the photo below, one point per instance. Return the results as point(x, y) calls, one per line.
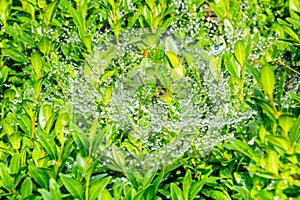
point(43, 154)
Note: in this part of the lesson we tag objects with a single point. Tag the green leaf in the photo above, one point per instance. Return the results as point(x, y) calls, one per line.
point(54, 190)
point(106, 76)
point(242, 147)
point(37, 64)
point(16, 55)
point(38, 86)
point(97, 187)
point(290, 31)
point(50, 123)
point(26, 188)
point(50, 12)
point(177, 73)
point(294, 134)
point(39, 175)
point(107, 95)
point(240, 52)
point(49, 144)
point(231, 65)
point(73, 186)
point(158, 180)
point(186, 185)
point(44, 115)
point(4, 73)
point(267, 108)
point(42, 3)
point(146, 193)
point(77, 18)
point(267, 80)
point(6, 179)
point(176, 193)
point(62, 121)
point(148, 177)
point(196, 187)
point(15, 140)
point(105, 195)
point(25, 123)
point(15, 163)
point(273, 162)
point(279, 141)
point(88, 42)
point(80, 139)
point(173, 58)
point(44, 45)
point(294, 5)
point(46, 194)
point(215, 194)
point(286, 122)
point(28, 108)
point(10, 94)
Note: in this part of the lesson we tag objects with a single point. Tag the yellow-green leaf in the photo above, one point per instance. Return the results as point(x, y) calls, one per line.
point(107, 95)
point(267, 80)
point(44, 45)
point(273, 161)
point(42, 3)
point(37, 63)
point(286, 122)
point(177, 73)
point(173, 58)
point(50, 12)
point(240, 52)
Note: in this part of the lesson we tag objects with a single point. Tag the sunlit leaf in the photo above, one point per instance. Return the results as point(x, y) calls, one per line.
point(267, 79)
point(16, 55)
point(240, 52)
point(50, 10)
